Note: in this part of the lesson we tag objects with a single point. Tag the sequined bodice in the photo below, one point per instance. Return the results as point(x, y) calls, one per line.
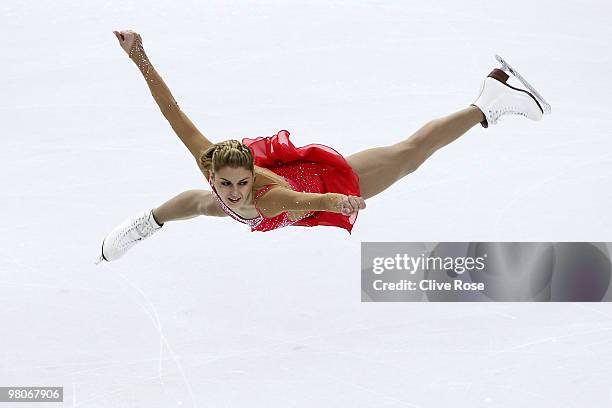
point(301, 176)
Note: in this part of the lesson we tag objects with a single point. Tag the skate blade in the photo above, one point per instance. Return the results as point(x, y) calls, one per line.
point(508, 68)
point(100, 257)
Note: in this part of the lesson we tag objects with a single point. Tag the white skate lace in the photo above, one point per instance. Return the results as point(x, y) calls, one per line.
point(506, 110)
point(142, 228)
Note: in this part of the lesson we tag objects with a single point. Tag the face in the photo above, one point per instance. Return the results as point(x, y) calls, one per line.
point(234, 185)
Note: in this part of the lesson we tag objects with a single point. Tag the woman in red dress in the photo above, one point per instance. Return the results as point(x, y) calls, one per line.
point(268, 183)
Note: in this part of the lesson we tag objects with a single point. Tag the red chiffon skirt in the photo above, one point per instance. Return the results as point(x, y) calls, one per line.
point(330, 174)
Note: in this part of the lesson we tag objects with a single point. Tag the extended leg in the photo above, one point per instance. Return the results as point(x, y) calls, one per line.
point(188, 204)
point(380, 167)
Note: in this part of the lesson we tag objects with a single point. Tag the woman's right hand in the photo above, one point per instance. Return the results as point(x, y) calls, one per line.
point(351, 205)
point(127, 39)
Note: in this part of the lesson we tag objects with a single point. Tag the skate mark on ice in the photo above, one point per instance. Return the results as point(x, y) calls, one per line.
point(366, 389)
point(553, 339)
point(535, 186)
point(152, 313)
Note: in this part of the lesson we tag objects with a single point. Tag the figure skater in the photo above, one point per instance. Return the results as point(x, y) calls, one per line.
point(269, 183)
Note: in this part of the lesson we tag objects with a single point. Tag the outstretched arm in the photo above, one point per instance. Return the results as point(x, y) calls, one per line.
point(188, 204)
point(191, 137)
point(281, 199)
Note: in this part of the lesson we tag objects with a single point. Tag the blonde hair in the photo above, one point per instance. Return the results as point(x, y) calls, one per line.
point(229, 153)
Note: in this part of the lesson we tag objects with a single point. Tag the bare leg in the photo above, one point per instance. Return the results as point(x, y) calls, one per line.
point(380, 167)
point(188, 204)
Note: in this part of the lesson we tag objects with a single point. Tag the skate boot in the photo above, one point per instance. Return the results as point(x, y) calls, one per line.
point(497, 98)
point(126, 235)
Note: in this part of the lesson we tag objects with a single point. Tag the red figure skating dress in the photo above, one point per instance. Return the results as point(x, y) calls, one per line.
point(313, 168)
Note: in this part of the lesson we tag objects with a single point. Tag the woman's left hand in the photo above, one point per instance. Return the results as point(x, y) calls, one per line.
point(351, 206)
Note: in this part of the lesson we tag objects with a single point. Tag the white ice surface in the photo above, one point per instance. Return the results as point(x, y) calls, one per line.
point(207, 314)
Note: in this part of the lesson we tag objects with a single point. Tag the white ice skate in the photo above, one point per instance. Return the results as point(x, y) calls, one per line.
point(126, 235)
point(497, 98)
